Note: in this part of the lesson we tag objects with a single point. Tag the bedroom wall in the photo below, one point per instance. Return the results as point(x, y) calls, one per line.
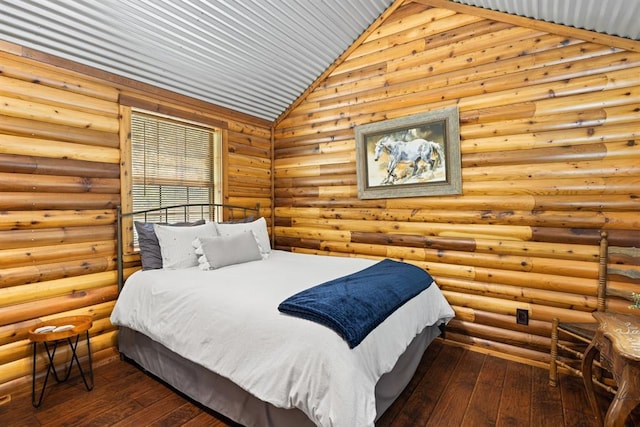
point(550, 156)
point(60, 183)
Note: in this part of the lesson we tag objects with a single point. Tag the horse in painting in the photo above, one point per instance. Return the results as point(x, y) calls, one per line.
point(411, 152)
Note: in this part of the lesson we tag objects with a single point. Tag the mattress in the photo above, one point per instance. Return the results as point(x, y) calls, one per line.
point(226, 321)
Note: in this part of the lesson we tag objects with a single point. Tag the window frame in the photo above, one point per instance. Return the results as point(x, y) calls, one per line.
point(218, 187)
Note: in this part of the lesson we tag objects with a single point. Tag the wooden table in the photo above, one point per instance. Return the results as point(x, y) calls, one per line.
point(618, 341)
point(51, 340)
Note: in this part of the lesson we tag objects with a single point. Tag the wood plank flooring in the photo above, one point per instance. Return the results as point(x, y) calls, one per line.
point(452, 387)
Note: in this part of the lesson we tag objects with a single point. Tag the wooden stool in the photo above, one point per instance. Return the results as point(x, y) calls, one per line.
point(51, 339)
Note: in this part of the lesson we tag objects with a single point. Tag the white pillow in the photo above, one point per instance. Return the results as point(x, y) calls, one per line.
point(259, 228)
point(216, 252)
point(175, 244)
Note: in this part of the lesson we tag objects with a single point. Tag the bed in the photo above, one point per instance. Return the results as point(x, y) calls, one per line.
point(214, 332)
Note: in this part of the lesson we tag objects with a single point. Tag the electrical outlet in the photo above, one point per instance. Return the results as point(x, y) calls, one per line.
point(522, 316)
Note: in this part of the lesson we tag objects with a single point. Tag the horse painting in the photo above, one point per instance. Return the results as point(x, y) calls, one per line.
point(411, 152)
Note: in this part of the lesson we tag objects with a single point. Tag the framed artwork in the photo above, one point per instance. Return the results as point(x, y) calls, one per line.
point(410, 156)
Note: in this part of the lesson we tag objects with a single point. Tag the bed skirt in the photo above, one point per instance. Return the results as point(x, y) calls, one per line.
point(226, 398)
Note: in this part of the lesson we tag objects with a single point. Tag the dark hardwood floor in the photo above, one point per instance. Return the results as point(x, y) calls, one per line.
point(452, 387)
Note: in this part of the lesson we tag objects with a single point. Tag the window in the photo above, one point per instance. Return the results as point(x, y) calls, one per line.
point(173, 163)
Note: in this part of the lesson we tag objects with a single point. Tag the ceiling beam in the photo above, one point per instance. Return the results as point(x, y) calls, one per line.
point(549, 27)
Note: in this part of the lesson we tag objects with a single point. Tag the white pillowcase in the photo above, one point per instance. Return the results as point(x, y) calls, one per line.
point(259, 228)
point(175, 244)
point(216, 252)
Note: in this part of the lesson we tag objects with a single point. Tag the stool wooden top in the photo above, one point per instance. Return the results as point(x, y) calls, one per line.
point(80, 325)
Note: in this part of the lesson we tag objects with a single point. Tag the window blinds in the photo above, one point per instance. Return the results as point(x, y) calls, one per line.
point(172, 163)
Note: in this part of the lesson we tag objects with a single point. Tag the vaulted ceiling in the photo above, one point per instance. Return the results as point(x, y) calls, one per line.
point(252, 56)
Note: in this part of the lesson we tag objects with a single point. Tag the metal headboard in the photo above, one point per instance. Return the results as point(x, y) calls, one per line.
point(186, 212)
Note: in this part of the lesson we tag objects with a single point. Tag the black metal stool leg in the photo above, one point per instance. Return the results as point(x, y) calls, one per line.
point(51, 355)
point(73, 347)
point(46, 377)
point(75, 357)
point(90, 363)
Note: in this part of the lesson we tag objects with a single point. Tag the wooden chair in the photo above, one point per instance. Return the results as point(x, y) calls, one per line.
point(622, 263)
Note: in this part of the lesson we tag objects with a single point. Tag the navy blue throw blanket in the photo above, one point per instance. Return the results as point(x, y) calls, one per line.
point(355, 304)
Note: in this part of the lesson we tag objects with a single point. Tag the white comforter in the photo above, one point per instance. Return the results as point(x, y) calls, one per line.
point(227, 321)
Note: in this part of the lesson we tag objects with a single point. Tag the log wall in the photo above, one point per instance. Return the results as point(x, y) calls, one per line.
point(60, 183)
point(550, 156)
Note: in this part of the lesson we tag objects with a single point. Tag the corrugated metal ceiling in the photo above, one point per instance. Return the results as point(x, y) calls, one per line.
point(253, 56)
